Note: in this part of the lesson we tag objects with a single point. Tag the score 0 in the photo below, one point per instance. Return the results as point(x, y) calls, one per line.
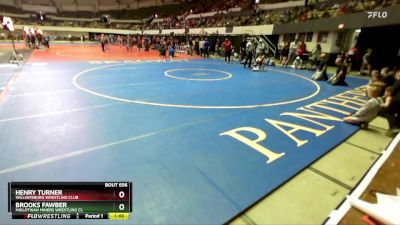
point(121, 196)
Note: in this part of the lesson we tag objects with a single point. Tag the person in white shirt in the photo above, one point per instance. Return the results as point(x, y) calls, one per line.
point(368, 111)
point(260, 50)
point(249, 52)
point(294, 45)
point(201, 47)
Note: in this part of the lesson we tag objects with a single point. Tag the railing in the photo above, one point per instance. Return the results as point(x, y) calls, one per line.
point(264, 39)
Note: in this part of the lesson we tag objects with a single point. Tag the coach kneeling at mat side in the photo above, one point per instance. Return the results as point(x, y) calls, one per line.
point(368, 111)
point(340, 76)
point(321, 74)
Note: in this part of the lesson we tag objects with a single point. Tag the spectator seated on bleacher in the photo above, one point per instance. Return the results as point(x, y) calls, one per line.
point(175, 15)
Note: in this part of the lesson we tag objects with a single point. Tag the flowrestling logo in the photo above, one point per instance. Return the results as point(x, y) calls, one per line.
point(377, 14)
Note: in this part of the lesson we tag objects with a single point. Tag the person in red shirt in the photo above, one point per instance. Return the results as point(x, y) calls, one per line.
point(301, 50)
point(228, 49)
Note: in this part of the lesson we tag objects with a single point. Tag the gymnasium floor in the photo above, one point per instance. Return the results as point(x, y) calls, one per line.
point(73, 113)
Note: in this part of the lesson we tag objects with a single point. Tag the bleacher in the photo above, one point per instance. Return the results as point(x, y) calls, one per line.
point(208, 13)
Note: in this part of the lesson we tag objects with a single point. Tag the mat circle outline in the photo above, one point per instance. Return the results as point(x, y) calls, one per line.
point(229, 75)
point(75, 83)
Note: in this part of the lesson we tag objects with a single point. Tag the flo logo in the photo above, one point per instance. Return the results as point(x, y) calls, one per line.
point(377, 14)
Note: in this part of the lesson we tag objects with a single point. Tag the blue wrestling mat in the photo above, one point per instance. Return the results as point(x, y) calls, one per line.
point(200, 140)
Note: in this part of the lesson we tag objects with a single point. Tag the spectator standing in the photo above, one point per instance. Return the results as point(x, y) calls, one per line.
point(171, 51)
point(139, 44)
point(206, 48)
point(196, 46)
point(47, 41)
point(127, 42)
point(366, 63)
point(227, 49)
point(242, 49)
point(146, 44)
point(348, 60)
point(163, 50)
point(190, 46)
point(201, 47)
point(294, 45)
point(260, 50)
point(217, 45)
point(301, 50)
point(315, 55)
point(212, 47)
point(131, 42)
point(103, 40)
point(33, 39)
point(285, 55)
point(352, 54)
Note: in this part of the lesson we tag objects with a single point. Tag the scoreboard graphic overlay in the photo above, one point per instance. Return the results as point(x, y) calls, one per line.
point(70, 200)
